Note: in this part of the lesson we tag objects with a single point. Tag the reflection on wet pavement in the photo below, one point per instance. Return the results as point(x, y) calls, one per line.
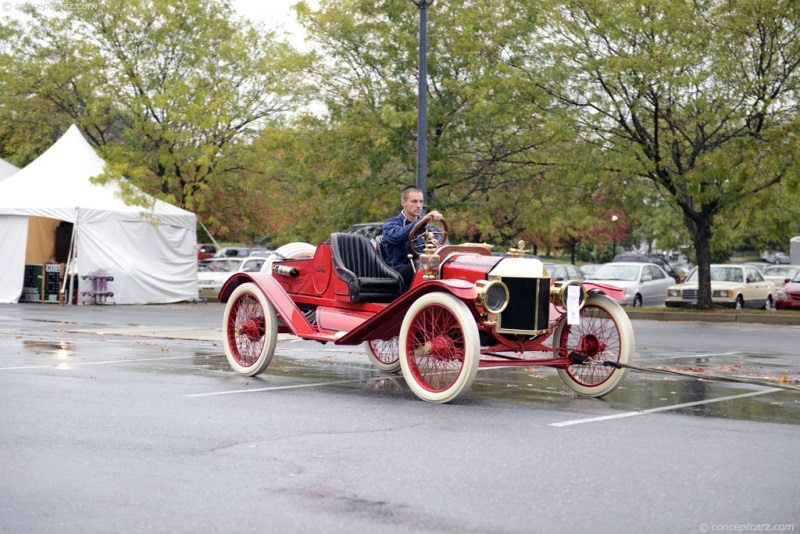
point(529, 387)
point(61, 350)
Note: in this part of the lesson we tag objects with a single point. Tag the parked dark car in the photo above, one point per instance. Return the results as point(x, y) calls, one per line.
point(650, 258)
point(561, 272)
point(371, 230)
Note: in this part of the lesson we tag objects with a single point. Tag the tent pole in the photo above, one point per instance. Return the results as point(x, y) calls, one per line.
point(68, 275)
point(209, 233)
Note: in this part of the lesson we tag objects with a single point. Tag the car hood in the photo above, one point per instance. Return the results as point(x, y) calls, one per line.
point(792, 287)
point(714, 285)
point(214, 277)
point(622, 284)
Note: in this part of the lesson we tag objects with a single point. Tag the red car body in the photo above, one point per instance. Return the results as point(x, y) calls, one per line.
point(788, 297)
point(205, 251)
point(442, 328)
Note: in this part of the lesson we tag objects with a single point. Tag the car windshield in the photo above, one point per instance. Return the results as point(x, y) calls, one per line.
point(221, 266)
point(720, 274)
point(779, 271)
point(627, 273)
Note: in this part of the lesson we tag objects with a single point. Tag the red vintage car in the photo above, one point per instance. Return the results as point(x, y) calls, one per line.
point(465, 309)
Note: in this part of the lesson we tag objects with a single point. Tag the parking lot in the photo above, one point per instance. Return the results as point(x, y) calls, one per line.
point(129, 419)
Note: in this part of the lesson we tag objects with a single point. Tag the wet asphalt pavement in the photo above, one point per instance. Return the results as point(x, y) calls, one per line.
point(128, 419)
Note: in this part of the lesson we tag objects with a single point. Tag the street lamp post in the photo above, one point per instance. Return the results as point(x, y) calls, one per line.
point(422, 102)
point(614, 220)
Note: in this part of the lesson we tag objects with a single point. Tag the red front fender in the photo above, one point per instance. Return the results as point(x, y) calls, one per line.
point(611, 291)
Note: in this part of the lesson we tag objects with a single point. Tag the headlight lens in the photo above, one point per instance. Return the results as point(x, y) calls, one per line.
point(781, 294)
point(722, 294)
point(492, 295)
point(674, 293)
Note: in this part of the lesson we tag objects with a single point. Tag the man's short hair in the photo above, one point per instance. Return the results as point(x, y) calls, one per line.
point(409, 189)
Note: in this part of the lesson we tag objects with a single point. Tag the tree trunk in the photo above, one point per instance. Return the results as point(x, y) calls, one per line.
point(701, 237)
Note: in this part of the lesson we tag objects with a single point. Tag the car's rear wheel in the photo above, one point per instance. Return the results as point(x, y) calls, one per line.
point(439, 347)
point(384, 354)
point(250, 326)
point(604, 334)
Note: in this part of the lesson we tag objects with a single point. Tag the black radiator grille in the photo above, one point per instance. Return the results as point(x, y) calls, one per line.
point(528, 309)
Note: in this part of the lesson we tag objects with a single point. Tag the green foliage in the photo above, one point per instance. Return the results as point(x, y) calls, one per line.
point(699, 98)
point(169, 91)
point(544, 119)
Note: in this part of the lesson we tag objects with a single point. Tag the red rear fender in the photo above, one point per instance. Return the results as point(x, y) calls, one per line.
point(386, 323)
point(284, 306)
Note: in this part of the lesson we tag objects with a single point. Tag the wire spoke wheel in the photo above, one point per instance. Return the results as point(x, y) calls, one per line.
point(604, 334)
point(439, 347)
point(250, 329)
point(384, 354)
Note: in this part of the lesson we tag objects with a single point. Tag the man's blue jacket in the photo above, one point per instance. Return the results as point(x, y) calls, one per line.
point(394, 244)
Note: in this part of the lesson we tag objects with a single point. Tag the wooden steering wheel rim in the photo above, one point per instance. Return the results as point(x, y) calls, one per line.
point(425, 220)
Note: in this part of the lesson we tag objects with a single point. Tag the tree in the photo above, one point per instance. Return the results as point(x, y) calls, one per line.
point(169, 91)
point(487, 149)
point(698, 98)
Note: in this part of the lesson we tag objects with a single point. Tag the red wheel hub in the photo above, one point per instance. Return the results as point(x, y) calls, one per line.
point(590, 346)
point(252, 328)
point(440, 347)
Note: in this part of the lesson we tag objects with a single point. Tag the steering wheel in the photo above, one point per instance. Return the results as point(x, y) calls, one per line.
point(434, 236)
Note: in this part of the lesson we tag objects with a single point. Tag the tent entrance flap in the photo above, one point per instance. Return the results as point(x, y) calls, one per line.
point(41, 246)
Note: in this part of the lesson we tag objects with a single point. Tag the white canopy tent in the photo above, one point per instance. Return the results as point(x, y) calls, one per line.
point(150, 252)
point(6, 169)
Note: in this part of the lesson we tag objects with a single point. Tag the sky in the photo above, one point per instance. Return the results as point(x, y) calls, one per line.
point(276, 14)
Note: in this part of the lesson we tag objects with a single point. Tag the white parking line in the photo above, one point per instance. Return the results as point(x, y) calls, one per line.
point(276, 388)
point(661, 409)
point(66, 364)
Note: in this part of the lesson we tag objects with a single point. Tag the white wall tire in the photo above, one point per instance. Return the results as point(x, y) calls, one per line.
point(605, 333)
point(384, 354)
point(439, 347)
point(250, 327)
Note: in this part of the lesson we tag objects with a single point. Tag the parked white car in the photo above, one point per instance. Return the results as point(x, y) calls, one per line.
point(780, 274)
point(213, 273)
point(734, 286)
point(644, 284)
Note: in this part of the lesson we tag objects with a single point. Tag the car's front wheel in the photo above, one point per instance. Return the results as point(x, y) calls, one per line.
point(769, 305)
point(604, 334)
point(439, 347)
point(739, 304)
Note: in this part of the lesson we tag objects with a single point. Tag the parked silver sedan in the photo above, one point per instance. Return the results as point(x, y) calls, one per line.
point(644, 284)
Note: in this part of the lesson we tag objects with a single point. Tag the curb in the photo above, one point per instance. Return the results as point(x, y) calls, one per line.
point(702, 317)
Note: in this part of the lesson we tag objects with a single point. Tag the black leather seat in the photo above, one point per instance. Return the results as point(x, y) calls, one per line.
point(356, 261)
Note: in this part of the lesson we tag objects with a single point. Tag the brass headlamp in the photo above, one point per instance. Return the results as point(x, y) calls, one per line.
point(558, 294)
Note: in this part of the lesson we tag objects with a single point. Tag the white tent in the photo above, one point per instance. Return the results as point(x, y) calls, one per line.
point(6, 169)
point(150, 252)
